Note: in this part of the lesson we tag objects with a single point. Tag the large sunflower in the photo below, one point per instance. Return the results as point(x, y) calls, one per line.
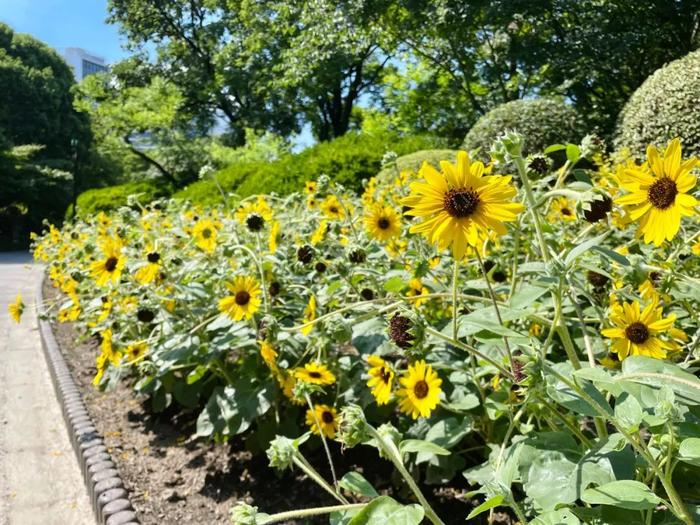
point(462, 204)
point(637, 332)
point(325, 417)
point(244, 301)
point(382, 222)
point(110, 267)
point(421, 390)
point(315, 373)
point(659, 192)
point(381, 377)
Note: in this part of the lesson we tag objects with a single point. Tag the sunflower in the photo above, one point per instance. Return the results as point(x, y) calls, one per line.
point(382, 222)
point(100, 366)
point(562, 209)
point(148, 273)
point(309, 315)
point(16, 309)
point(112, 355)
point(320, 232)
point(332, 208)
point(421, 390)
point(310, 187)
point(253, 214)
point(381, 377)
point(269, 355)
point(325, 417)
point(416, 289)
point(287, 383)
point(659, 193)
point(462, 204)
point(636, 332)
point(245, 300)
point(315, 373)
point(204, 233)
point(135, 351)
point(110, 267)
point(272, 239)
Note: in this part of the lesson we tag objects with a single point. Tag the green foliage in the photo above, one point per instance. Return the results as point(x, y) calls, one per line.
point(664, 107)
point(110, 198)
point(413, 161)
point(348, 160)
point(542, 122)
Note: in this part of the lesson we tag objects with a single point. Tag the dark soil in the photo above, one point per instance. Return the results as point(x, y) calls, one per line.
point(173, 478)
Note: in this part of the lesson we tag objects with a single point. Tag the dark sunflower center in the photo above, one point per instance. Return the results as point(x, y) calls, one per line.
point(399, 327)
point(461, 203)
point(420, 389)
point(662, 193)
point(637, 332)
point(242, 298)
point(566, 211)
point(111, 264)
point(206, 233)
point(327, 417)
point(315, 375)
point(383, 223)
point(255, 222)
point(153, 257)
point(333, 209)
point(385, 374)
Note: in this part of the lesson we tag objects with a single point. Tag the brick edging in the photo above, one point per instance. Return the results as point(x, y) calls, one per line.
point(110, 501)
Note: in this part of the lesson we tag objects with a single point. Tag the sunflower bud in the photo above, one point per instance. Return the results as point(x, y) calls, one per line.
point(388, 432)
point(407, 331)
point(597, 207)
point(323, 183)
point(352, 429)
point(592, 145)
point(305, 254)
point(508, 146)
point(539, 164)
point(281, 452)
point(243, 514)
point(357, 256)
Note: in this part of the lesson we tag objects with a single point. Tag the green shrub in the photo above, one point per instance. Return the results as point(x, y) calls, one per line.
point(542, 122)
point(348, 160)
point(665, 106)
point(413, 161)
point(105, 199)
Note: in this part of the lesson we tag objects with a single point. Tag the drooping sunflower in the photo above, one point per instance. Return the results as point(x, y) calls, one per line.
point(135, 351)
point(462, 204)
point(148, 273)
point(254, 214)
point(309, 315)
point(381, 377)
point(244, 301)
point(272, 239)
point(269, 355)
point(332, 208)
point(562, 209)
point(637, 332)
point(382, 222)
point(16, 309)
point(421, 390)
point(658, 195)
point(110, 267)
point(315, 373)
point(325, 417)
point(204, 233)
point(111, 354)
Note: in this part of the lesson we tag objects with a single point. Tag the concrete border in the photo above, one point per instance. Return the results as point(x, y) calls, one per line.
point(110, 501)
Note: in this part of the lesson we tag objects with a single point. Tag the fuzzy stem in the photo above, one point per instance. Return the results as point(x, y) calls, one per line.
point(325, 443)
point(455, 278)
point(303, 513)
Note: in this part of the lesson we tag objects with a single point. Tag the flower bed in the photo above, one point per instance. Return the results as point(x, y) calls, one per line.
point(524, 333)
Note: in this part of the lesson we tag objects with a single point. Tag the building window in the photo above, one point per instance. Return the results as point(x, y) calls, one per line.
point(90, 68)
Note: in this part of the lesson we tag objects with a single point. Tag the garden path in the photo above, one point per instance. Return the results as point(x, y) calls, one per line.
point(40, 479)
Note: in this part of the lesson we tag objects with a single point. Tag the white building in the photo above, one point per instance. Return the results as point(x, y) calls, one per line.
point(82, 62)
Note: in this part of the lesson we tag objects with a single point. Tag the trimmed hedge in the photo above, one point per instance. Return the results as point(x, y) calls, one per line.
point(542, 122)
point(106, 199)
point(348, 160)
point(665, 106)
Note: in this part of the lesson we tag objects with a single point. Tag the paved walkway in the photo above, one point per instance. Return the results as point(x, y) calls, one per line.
point(40, 479)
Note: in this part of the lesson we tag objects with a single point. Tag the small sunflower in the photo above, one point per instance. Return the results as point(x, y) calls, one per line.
point(637, 332)
point(315, 373)
point(269, 355)
point(562, 209)
point(382, 222)
point(110, 267)
point(658, 195)
point(421, 390)
point(16, 309)
point(204, 233)
point(332, 208)
point(381, 377)
point(148, 273)
point(135, 351)
point(461, 205)
point(416, 289)
point(310, 187)
point(309, 315)
point(244, 301)
point(254, 214)
point(272, 239)
point(110, 353)
point(324, 416)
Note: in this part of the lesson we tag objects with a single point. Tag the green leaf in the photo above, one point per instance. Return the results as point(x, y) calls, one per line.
point(583, 247)
point(232, 409)
point(626, 494)
point(657, 374)
point(418, 445)
point(548, 480)
point(573, 153)
point(386, 511)
point(486, 505)
point(689, 451)
point(556, 517)
point(395, 284)
point(554, 147)
point(355, 482)
point(612, 255)
point(628, 412)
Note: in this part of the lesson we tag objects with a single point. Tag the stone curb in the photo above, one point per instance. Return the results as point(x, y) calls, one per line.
point(110, 501)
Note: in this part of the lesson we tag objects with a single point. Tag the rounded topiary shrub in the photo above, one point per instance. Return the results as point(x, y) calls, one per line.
point(110, 198)
point(665, 106)
point(542, 122)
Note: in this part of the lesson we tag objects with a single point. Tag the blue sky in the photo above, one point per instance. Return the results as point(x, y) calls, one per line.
point(65, 23)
